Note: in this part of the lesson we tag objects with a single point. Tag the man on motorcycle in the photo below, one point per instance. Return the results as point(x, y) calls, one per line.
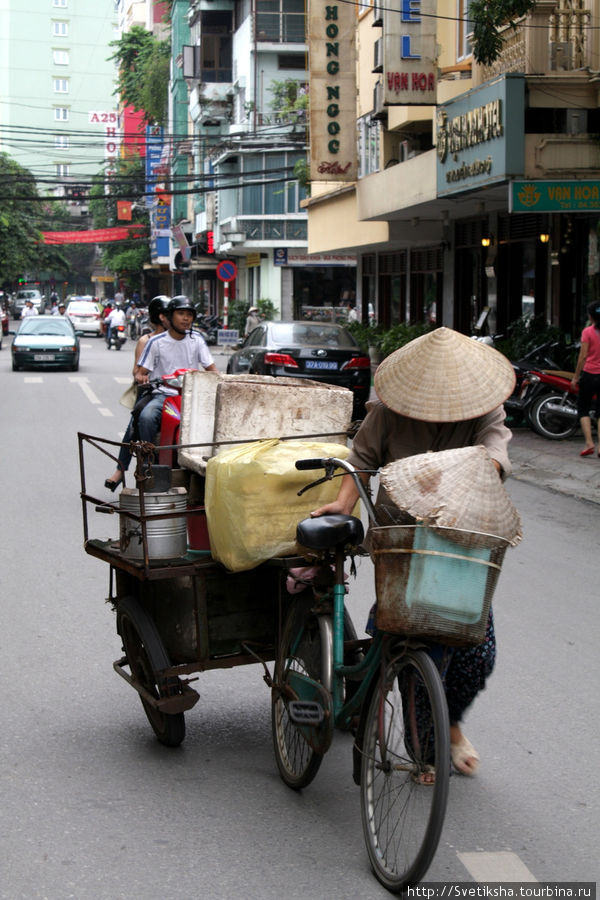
point(177, 348)
point(115, 318)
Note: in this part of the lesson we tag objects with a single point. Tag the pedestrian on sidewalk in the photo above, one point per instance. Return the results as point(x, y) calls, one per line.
point(587, 376)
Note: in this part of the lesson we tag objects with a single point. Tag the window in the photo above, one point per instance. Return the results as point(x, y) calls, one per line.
point(60, 29)
point(280, 21)
point(463, 30)
point(61, 141)
point(60, 57)
point(277, 197)
point(61, 114)
point(62, 3)
point(62, 170)
point(369, 136)
point(61, 86)
point(216, 58)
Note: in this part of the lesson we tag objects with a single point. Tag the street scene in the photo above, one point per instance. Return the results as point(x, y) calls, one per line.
point(300, 393)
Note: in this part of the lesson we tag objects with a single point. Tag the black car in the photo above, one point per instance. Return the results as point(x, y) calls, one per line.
point(46, 341)
point(315, 350)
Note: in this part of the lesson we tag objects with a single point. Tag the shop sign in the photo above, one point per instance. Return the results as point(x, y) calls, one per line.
point(252, 260)
point(409, 55)
point(160, 225)
point(283, 256)
point(554, 196)
point(479, 136)
point(332, 43)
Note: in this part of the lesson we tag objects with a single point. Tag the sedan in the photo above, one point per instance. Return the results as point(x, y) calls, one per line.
point(85, 315)
point(315, 350)
point(46, 341)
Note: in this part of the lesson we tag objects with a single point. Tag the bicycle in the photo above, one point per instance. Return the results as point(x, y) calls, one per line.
point(324, 678)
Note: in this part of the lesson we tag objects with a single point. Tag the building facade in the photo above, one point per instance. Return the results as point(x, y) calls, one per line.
point(478, 188)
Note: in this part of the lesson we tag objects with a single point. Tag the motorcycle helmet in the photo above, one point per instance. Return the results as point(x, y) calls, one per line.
point(157, 306)
point(180, 302)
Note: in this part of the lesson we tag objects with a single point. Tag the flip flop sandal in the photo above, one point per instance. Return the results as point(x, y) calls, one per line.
point(461, 753)
point(417, 777)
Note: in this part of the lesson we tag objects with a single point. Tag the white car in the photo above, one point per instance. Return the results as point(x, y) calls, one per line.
point(85, 315)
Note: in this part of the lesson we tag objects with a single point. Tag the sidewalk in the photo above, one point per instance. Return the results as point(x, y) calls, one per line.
point(555, 465)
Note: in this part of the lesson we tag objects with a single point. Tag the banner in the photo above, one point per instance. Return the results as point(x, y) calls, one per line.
point(99, 236)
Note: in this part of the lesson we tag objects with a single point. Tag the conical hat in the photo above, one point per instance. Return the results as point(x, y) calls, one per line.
point(454, 488)
point(444, 376)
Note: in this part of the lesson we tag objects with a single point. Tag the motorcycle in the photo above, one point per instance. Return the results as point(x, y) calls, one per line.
point(553, 414)
point(528, 390)
point(209, 326)
point(118, 337)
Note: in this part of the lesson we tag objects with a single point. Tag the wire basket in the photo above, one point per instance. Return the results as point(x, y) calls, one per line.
point(435, 582)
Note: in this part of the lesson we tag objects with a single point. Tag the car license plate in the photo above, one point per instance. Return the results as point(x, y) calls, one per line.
point(326, 364)
point(43, 357)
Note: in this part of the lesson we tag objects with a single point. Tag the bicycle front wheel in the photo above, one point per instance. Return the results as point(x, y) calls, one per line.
point(406, 745)
point(306, 649)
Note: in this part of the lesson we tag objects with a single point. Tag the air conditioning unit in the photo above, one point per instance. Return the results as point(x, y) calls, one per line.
point(561, 56)
point(377, 14)
point(379, 110)
point(378, 56)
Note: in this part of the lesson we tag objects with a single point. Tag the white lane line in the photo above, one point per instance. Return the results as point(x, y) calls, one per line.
point(121, 380)
point(86, 346)
point(500, 866)
point(104, 411)
point(82, 382)
point(33, 379)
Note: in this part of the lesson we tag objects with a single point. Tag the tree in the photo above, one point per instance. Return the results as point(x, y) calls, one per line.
point(125, 258)
point(143, 80)
point(19, 233)
point(487, 16)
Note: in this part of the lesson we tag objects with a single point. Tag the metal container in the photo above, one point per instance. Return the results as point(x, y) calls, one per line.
point(167, 538)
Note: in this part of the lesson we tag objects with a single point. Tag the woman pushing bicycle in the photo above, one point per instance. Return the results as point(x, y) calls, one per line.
point(441, 391)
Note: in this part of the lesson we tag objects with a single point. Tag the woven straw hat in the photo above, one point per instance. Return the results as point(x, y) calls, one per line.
point(444, 376)
point(455, 488)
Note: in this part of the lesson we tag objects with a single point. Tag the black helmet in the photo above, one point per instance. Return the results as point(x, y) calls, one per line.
point(180, 302)
point(157, 306)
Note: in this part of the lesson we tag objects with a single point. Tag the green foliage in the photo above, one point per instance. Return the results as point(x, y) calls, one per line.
point(143, 81)
point(525, 334)
point(19, 221)
point(302, 173)
point(486, 17)
point(290, 101)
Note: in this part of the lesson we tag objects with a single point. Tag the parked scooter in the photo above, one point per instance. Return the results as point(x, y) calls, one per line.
point(118, 336)
point(553, 413)
point(539, 360)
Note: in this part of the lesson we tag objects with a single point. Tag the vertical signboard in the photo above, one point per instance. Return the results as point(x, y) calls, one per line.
point(409, 54)
point(332, 28)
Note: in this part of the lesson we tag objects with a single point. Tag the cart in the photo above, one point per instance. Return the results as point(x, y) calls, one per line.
point(183, 615)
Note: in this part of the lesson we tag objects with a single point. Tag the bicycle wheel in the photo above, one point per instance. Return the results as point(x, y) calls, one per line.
point(306, 649)
point(406, 733)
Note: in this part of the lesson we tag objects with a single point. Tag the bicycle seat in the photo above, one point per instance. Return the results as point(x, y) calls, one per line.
point(324, 532)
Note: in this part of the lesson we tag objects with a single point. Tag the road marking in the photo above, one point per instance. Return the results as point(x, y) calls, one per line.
point(104, 411)
point(33, 379)
point(86, 346)
point(82, 382)
point(500, 866)
point(121, 380)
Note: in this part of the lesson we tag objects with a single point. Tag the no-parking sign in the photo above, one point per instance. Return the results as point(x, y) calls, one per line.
point(226, 270)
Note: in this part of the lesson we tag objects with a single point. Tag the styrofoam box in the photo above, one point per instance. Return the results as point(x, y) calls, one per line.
point(220, 411)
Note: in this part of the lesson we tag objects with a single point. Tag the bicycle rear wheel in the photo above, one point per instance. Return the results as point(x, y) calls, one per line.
point(406, 733)
point(305, 648)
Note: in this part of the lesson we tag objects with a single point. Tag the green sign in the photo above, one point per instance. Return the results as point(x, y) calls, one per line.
point(554, 196)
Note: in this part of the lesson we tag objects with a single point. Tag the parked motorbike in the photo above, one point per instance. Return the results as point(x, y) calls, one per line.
point(527, 390)
point(118, 336)
point(553, 413)
point(208, 326)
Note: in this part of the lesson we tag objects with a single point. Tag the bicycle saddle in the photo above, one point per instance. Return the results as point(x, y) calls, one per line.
point(324, 532)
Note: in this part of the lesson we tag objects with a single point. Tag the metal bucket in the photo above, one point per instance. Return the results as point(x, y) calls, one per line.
point(167, 538)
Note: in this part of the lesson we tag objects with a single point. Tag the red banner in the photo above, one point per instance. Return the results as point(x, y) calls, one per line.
point(99, 236)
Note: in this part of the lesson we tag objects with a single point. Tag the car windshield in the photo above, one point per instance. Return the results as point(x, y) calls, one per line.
point(47, 325)
point(84, 306)
point(309, 334)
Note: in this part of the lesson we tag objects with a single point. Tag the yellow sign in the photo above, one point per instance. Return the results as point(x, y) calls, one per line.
point(253, 260)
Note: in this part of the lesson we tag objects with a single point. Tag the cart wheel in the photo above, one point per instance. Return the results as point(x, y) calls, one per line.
point(302, 650)
point(147, 658)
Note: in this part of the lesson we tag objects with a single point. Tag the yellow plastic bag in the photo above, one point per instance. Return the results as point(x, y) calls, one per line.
point(252, 503)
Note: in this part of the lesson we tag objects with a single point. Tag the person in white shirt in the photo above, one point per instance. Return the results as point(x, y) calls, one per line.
point(177, 348)
point(29, 309)
point(114, 318)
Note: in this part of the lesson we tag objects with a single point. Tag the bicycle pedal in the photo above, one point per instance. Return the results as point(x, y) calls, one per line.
point(305, 712)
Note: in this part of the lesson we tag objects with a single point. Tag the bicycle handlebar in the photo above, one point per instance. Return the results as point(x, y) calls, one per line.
point(330, 464)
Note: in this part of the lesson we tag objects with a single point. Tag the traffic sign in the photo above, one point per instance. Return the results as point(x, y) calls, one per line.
point(226, 270)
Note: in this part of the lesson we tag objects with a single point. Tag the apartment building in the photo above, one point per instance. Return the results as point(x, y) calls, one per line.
point(477, 188)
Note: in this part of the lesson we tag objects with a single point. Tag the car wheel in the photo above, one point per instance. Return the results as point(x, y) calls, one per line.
point(15, 367)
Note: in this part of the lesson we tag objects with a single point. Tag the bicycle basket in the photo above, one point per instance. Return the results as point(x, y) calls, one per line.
point(432, 582)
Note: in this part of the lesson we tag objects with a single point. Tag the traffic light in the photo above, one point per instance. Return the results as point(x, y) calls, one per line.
point(210, 241)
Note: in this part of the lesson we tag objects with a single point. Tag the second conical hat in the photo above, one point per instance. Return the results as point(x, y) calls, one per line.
point(444, 376)
point(455, 488)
